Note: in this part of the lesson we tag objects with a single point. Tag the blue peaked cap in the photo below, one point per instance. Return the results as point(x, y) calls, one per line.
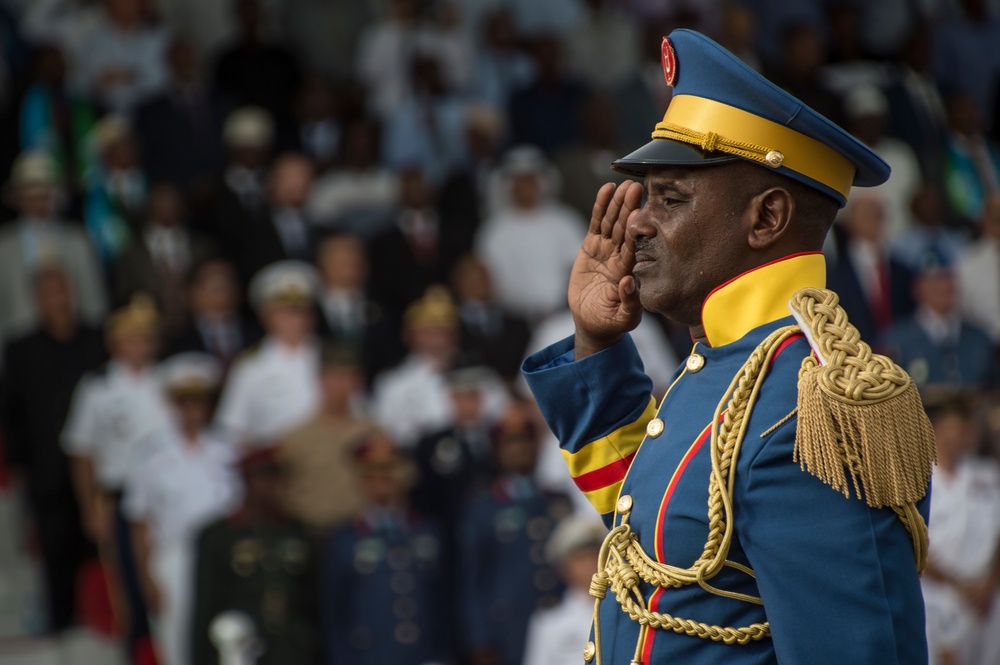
point(722, 110)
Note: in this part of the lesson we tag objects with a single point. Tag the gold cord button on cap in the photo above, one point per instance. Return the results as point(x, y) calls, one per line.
point(654, 428)
point(695, 362)
point(589, 651)
point(774, 158)
point(624, 504)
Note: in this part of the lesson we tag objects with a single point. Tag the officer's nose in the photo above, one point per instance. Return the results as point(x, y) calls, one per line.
point(641, 226)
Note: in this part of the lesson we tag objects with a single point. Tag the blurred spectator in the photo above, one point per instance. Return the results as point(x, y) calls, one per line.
point(965, 57)
point(262, 563)
point(916, 110)
point(532, 19)
point(62, 23)
point(418, 250)
point(927, 231)
point(113, 413)
point(446, 36)
point(798, 71)
point(501, 68)
point(358, 195)
point(555, 634)
point(468, 191)
point(216, 322)
point(348, 315)
point(116, 189)
point(40, 373)
point(738, 32)
point(385, 57)
point(180, 130)
point(256, 71)
point(979, 273)
point(186, 482)
point(427, 129)
point(121, 60)
point(962, 577)
point(547, 112)
point(866, 109)
point(488, 332)
point(160, 255)
point(239, 195)
point(935, 345)
point(412, 399)
point(971, 159)
point(530, 277)
point(874, 287)
point(322, 486)
point(280, 230)
point(38, 239)
point(453, 461)
point(383, 600)
point(54, 119)
point(502, 533)
point(587, 46)
point(585, 166)
point(317, 123)
point(273, 388)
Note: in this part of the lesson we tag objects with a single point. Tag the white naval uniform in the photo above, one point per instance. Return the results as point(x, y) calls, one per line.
point(413, 399)
point(270, 391)
point(556, 636)
point(177, 491)
point(111, 417)
point(964, 534)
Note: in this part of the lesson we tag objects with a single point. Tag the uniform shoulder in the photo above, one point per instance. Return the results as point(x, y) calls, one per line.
point(249, 354)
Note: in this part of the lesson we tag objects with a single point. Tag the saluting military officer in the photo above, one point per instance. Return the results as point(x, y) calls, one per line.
point(771, 506)
point(273, 387)
point(505, 575)
point(383, 597)
point(262, 563)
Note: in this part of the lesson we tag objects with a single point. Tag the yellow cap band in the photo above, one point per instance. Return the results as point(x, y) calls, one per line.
point(695, 120)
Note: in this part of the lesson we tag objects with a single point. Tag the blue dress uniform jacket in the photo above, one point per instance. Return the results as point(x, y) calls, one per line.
point(837, 579)
point(383, 598)
point(505, 575)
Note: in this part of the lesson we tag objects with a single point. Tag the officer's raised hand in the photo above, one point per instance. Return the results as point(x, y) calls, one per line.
point(603, 294)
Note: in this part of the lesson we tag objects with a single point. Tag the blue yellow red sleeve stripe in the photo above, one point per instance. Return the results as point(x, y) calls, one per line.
point(598, 408)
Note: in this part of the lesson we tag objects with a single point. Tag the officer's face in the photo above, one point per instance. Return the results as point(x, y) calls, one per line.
point(687, 240)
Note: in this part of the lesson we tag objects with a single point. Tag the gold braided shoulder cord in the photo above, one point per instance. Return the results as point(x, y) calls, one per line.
point(622, 562)
point(838, 438)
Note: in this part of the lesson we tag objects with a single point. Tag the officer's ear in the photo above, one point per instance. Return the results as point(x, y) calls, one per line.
point(771, 214)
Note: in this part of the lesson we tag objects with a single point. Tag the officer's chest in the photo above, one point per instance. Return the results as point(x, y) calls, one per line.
point(667, 483)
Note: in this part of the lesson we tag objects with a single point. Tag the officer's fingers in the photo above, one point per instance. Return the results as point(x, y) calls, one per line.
point(631, 202)
point(614, 208)
point(628, 294)
point(625, 242)
point(604, 195)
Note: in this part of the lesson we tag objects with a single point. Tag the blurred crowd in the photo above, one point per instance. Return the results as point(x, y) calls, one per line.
point(268, 269)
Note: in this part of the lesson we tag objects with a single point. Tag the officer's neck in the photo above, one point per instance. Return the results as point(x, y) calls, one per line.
point(698, 334)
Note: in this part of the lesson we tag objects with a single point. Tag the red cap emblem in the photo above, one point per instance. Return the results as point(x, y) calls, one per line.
point(669, 62)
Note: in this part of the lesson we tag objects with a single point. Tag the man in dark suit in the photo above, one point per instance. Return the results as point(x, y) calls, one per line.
point(157, 260)
point(180, 130)
point(279, 230)
point(217, 325)
point(40, 372)
point(874, 287)
point(417, 251)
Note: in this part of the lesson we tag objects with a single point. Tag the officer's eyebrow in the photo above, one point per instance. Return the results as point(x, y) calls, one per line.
point(661, 184)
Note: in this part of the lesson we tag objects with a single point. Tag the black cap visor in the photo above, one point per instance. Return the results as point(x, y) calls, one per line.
point(666, 152)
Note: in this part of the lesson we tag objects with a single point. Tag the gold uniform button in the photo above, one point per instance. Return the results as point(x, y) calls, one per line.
point(654, 428)
point(624, 504)
point(774, 158)
point(589, 651)
point(695, 362)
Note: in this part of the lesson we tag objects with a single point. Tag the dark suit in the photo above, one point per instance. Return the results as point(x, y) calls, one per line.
point(40, 373)
point(497, 338)
point(842, 278)
point(181, 137)
point(137, 272)
point(372, 329)
point(241, 333)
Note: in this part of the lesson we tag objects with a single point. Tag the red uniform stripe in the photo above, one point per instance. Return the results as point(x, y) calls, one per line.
point(604, 476)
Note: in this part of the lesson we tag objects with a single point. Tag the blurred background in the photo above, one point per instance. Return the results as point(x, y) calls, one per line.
point(268, 269)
